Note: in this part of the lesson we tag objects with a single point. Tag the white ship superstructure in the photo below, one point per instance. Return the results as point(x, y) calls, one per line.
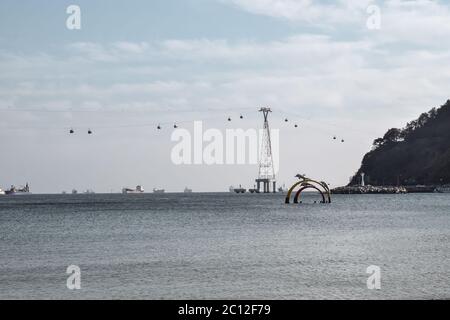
point(139, 189)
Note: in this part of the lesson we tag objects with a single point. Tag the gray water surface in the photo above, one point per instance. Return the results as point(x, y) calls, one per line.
point(224, 246)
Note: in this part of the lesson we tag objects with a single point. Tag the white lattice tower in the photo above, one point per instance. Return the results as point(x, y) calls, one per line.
point(266, 169)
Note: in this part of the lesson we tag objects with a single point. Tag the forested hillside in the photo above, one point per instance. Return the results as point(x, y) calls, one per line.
point(416, 154)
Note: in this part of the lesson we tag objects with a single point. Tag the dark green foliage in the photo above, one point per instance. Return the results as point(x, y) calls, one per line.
point(417, 154)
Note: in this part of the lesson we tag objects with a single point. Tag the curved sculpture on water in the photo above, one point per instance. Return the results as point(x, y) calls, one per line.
point(306, 183)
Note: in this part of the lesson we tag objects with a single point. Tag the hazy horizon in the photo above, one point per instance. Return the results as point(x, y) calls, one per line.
point(138, 64)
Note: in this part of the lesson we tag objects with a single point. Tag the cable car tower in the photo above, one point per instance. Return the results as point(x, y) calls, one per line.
point(266, 174)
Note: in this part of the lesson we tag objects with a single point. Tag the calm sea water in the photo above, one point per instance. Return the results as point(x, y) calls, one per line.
point(227, 246)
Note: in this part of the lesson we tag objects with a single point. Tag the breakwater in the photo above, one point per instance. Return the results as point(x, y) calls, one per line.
point(369, 190)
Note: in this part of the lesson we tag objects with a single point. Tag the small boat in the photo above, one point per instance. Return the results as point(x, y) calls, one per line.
point(2, 193)
point(187, 190)
point(139, 189)
point(74, 191)
point(254, 190)
point(283, 189)
point(158, 190)
point(240, 190)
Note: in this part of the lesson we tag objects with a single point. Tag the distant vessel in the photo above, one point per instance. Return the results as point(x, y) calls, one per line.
point(254, 190)
point(443, 189)
point(282, 189)
point(420, 189)
point(231, 189)
point(240, 190)
point(74, 191)
point(139, 189)
point(2, 192)
point(158, 190)
point(89, 191)
point(18, 191)
point(187, 190)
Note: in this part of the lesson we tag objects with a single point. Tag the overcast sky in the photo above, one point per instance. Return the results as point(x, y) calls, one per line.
point(138, 63)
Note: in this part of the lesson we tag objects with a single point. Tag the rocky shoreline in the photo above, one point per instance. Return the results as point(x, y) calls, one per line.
point(390, 189)
point(369, 190)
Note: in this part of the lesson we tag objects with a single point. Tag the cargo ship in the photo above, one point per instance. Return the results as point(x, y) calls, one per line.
point(139, 189)
point(18, 191)
point(187, 190)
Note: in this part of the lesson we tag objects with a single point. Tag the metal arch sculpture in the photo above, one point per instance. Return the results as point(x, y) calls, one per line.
point(309, 186)
point(306, 183)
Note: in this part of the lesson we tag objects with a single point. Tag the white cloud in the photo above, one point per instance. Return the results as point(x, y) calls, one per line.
point(414, 22)
point(93, 51)
point(303, 70)
point(420, 23)
point(130, 47)
point(315, 12)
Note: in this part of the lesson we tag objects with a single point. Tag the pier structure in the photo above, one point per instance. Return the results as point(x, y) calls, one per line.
point(266, 174)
